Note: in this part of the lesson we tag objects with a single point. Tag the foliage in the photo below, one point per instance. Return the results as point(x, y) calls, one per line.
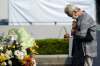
point(52, 46)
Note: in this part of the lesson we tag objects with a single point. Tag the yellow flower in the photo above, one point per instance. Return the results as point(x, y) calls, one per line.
point(31, 49)
point(13, 46)
point(2, 57)
point(23, 62)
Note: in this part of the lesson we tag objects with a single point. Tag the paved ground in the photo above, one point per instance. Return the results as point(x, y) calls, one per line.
point(53, 65)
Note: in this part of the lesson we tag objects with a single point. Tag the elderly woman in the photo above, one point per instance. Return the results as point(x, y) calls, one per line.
point(84, 36)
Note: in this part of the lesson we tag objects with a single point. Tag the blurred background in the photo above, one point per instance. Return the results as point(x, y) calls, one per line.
point(42, 12)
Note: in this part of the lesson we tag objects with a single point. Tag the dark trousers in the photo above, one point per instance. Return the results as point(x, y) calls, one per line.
point(77, 52)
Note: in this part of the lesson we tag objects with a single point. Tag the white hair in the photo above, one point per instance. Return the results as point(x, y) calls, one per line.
point(70, 8)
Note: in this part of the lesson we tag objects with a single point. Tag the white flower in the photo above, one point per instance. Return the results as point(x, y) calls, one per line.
point(10, 62)
point(19, 54)
point(9, 53)
point(1, 48)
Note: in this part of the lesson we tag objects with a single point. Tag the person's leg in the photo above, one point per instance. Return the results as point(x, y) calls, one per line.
point(77, 53)
point(88, 61)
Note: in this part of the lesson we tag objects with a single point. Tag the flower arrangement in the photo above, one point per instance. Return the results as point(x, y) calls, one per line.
point(18, 44)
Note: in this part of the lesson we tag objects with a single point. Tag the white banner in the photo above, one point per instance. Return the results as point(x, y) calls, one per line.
point(23, 12)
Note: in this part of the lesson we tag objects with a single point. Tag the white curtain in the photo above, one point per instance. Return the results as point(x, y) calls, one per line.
point(23, 12)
